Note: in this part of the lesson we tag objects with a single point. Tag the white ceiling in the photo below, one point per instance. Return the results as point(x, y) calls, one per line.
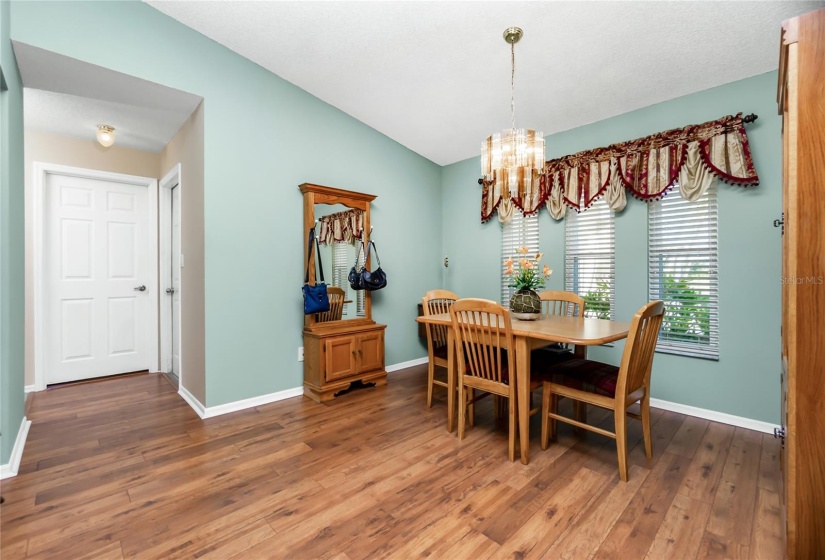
point(435, 76)
point(65, 96)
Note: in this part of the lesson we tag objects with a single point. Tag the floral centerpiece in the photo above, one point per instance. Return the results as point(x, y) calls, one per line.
point(525, 302)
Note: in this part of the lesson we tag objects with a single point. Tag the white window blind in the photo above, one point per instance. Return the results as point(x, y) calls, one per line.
point(522, 231)
point(683, 269)
point(340, 268)
point(590, 258)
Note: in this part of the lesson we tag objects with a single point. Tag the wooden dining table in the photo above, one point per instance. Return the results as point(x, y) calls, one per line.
point(527, 336)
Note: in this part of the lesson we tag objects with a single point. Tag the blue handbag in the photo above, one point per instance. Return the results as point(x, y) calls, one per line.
point(316, 299)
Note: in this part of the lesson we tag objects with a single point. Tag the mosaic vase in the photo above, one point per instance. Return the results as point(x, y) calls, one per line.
point(525, 305)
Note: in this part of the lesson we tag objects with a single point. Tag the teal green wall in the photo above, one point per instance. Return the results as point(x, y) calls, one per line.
point(263, 137)
point(745, 380)
point(11, 241)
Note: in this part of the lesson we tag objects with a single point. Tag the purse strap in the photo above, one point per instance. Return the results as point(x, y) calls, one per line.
point(312, 238)
point(377, 258)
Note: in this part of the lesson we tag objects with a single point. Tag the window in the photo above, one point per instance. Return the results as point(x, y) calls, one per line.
point(590, 258)
point(683, 272)
point(522, 231)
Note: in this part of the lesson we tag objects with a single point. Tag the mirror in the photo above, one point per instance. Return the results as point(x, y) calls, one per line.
point(351, 210)
point(338, 246)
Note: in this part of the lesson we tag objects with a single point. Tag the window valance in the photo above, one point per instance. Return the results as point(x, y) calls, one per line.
point(647, 167)
point(344, 226)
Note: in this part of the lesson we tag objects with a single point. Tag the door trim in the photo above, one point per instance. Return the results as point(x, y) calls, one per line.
point(170, 180)
point(41, 172)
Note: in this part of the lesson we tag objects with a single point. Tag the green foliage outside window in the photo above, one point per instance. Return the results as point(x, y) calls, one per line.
point(687, 315)
point(597, 301)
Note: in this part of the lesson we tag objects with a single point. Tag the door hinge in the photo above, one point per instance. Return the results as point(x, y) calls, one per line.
point(779, 433)
point(780, 223)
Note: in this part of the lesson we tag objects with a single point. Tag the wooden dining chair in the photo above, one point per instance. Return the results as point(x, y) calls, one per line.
point(607, 386)
point(484, 343)
point(564, 304)
point(436, 302)
point(336, 305)
point(567, 304)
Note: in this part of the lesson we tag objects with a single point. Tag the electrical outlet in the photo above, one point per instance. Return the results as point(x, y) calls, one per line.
point(300, 353)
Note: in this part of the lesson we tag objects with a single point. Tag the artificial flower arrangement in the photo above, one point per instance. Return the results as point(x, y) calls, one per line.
point(528, 276)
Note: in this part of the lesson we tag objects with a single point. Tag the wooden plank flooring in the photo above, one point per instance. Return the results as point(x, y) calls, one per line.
point(123, 468)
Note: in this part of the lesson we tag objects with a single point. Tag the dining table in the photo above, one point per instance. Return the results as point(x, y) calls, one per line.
point(580, 332)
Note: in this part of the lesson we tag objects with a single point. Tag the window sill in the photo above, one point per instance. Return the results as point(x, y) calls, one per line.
point(687, 354)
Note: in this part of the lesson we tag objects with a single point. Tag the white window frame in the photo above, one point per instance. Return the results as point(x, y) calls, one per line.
point(689, 232)
point(590, 243)
point(520, 231)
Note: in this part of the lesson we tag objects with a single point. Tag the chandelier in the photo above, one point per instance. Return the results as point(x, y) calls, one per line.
point(513, 158)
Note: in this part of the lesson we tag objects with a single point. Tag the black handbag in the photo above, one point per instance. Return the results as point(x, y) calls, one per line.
point(376, 279)
point(354, 277)
point(316, 299)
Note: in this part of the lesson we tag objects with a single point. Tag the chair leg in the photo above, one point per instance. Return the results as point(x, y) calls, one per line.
point(620, 416)
point(554, 425)
point(430, 377)
point(462, 409)
point(512, 422)
point(580, 414)
point(471, 408)
point(546, 395)
point(645, 413)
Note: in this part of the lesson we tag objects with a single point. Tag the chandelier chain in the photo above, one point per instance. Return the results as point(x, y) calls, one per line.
point(513, 85)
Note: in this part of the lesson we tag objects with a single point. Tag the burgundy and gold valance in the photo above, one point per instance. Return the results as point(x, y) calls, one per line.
point(344, 226)
point(647, 167)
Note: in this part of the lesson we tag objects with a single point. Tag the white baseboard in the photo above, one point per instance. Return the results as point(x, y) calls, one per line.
point(407, 364)
point(196, 405)
point(212, 411)
point(10, 468)
point(722, 417)
point(30, 389)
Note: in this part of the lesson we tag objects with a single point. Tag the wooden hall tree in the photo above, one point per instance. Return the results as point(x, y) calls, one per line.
point(801, 97)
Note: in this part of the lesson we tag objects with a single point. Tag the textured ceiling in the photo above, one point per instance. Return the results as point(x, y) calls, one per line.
point(435, 76)
point(65, 96)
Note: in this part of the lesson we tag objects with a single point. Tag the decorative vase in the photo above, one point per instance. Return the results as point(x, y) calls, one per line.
point(525, 305)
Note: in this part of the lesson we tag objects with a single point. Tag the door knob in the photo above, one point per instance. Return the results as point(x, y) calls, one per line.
point(170, 290)
point(140, 288)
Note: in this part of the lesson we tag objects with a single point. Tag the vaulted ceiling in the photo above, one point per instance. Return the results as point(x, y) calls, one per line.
point(435, 76)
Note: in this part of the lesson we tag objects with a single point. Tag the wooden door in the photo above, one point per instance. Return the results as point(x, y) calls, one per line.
point(371, 351)
point(340, 357)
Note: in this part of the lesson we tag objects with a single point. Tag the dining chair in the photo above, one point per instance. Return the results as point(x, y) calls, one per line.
point(486, 357)
point(436, 302)
point(607, 386)
point(336, 305)
point(568, 304)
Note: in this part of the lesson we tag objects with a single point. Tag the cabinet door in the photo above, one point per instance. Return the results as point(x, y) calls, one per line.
point(371, 351)
point(339, 357)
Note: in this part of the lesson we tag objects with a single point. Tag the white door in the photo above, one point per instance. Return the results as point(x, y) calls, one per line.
point(176, 283)
point(97, 282)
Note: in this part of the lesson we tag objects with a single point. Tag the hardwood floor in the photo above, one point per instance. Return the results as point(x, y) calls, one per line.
point(123, 468)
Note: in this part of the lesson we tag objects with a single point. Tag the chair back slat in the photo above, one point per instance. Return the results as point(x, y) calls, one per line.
point(483, 333)
point(561, 303)
point(336, 305)
point(436, 302)
point(637, 359)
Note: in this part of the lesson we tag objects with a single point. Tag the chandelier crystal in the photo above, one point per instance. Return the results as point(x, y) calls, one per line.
point(513, 159)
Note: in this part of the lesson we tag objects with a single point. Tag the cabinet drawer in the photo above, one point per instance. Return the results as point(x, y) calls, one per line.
point(339, 357)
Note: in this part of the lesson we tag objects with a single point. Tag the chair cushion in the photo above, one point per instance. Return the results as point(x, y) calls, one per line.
point(551, 356)
point(585, 375)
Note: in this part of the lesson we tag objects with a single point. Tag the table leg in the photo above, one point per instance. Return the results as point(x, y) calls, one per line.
point(451, 379)
point(523, 392)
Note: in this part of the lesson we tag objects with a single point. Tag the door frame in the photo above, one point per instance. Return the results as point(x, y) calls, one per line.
point(171, 180)
point(41, 172)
